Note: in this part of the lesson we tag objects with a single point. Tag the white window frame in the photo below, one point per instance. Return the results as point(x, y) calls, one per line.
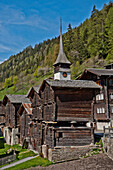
point(101, 110)
point(100, 97)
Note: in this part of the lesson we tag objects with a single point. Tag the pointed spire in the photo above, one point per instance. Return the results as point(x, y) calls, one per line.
point(61, 56)
point(61, 43)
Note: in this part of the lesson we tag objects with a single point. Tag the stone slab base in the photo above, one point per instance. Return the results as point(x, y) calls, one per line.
point(68, 153)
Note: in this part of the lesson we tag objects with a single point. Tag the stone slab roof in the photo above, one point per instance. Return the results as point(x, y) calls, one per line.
point(101, 72)
point(18, 98)
point(36, 88)
point(73, 83)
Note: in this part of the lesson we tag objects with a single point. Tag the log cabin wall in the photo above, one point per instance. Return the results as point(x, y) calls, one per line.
point(36, 136)
point(48, 103)
point(79, 136)
point(2, 114)
point(73, 104)
point(24, 127)
point(37, 108)
point(48, 136)
point(104, 101)
point(10, 115)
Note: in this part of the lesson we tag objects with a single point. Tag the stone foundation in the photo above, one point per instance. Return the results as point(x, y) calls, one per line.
point(10, 135)
point(66, 153)
point(108, 146)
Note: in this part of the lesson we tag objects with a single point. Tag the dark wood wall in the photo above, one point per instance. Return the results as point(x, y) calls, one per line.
point(48, 103)
point(73, 136)
point(74, 104)
point(2, 113)
point(23, 125)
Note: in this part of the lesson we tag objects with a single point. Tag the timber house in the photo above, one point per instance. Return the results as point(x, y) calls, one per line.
point(103, 102)
point(60, 112)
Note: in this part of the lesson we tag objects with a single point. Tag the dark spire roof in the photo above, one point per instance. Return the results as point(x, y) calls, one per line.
point(61, 56)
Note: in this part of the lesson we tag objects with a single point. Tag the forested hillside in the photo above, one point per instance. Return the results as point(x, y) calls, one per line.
point(88, 45)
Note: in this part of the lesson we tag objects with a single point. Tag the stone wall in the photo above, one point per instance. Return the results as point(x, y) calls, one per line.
point(108, 146)
point(68, 153)
point(7, 159)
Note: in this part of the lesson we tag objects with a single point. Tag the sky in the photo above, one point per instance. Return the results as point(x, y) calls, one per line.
point(29, 22)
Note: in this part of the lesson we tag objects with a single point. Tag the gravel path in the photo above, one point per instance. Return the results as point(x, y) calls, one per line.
point(95, 162)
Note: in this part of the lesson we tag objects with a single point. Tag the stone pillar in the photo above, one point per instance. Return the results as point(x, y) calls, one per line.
point(7, 135)
point(14, 137)
point(45, 151)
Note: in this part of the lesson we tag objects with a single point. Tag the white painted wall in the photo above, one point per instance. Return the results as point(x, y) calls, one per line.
point(59, 76)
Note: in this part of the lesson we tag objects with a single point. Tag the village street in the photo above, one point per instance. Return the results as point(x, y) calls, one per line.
point(95, 162)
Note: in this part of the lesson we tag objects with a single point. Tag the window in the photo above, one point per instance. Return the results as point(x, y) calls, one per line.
point(112, 109)
point(98, 111)
point(97, 98)
point(101, 110)
point(100, 97)
point(111, 96)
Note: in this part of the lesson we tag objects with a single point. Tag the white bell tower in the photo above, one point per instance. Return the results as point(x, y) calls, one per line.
point(62, 64)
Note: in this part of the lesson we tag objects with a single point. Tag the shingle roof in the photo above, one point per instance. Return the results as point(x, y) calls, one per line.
point(18, 98)
point(36, 88)
point(101, 72)
point(73, 83)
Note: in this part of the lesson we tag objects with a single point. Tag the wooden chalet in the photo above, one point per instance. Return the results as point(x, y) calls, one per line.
point(103, 104)
point(34, 96)
point(11, 105)
point(67, 108)
point(33, 136)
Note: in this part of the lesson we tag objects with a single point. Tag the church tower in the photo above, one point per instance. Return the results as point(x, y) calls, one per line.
point(62, 64)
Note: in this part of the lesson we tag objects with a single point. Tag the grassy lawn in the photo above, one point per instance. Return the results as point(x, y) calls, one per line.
point(38, 161)
point(26, 154)
point(22, 153)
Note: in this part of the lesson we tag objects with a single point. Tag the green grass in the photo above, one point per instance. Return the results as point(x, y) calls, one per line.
point(22, 153)
point(26, 154)
point(38, 161)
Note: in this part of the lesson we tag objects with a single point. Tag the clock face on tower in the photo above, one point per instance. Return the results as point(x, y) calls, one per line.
point(64, 74)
